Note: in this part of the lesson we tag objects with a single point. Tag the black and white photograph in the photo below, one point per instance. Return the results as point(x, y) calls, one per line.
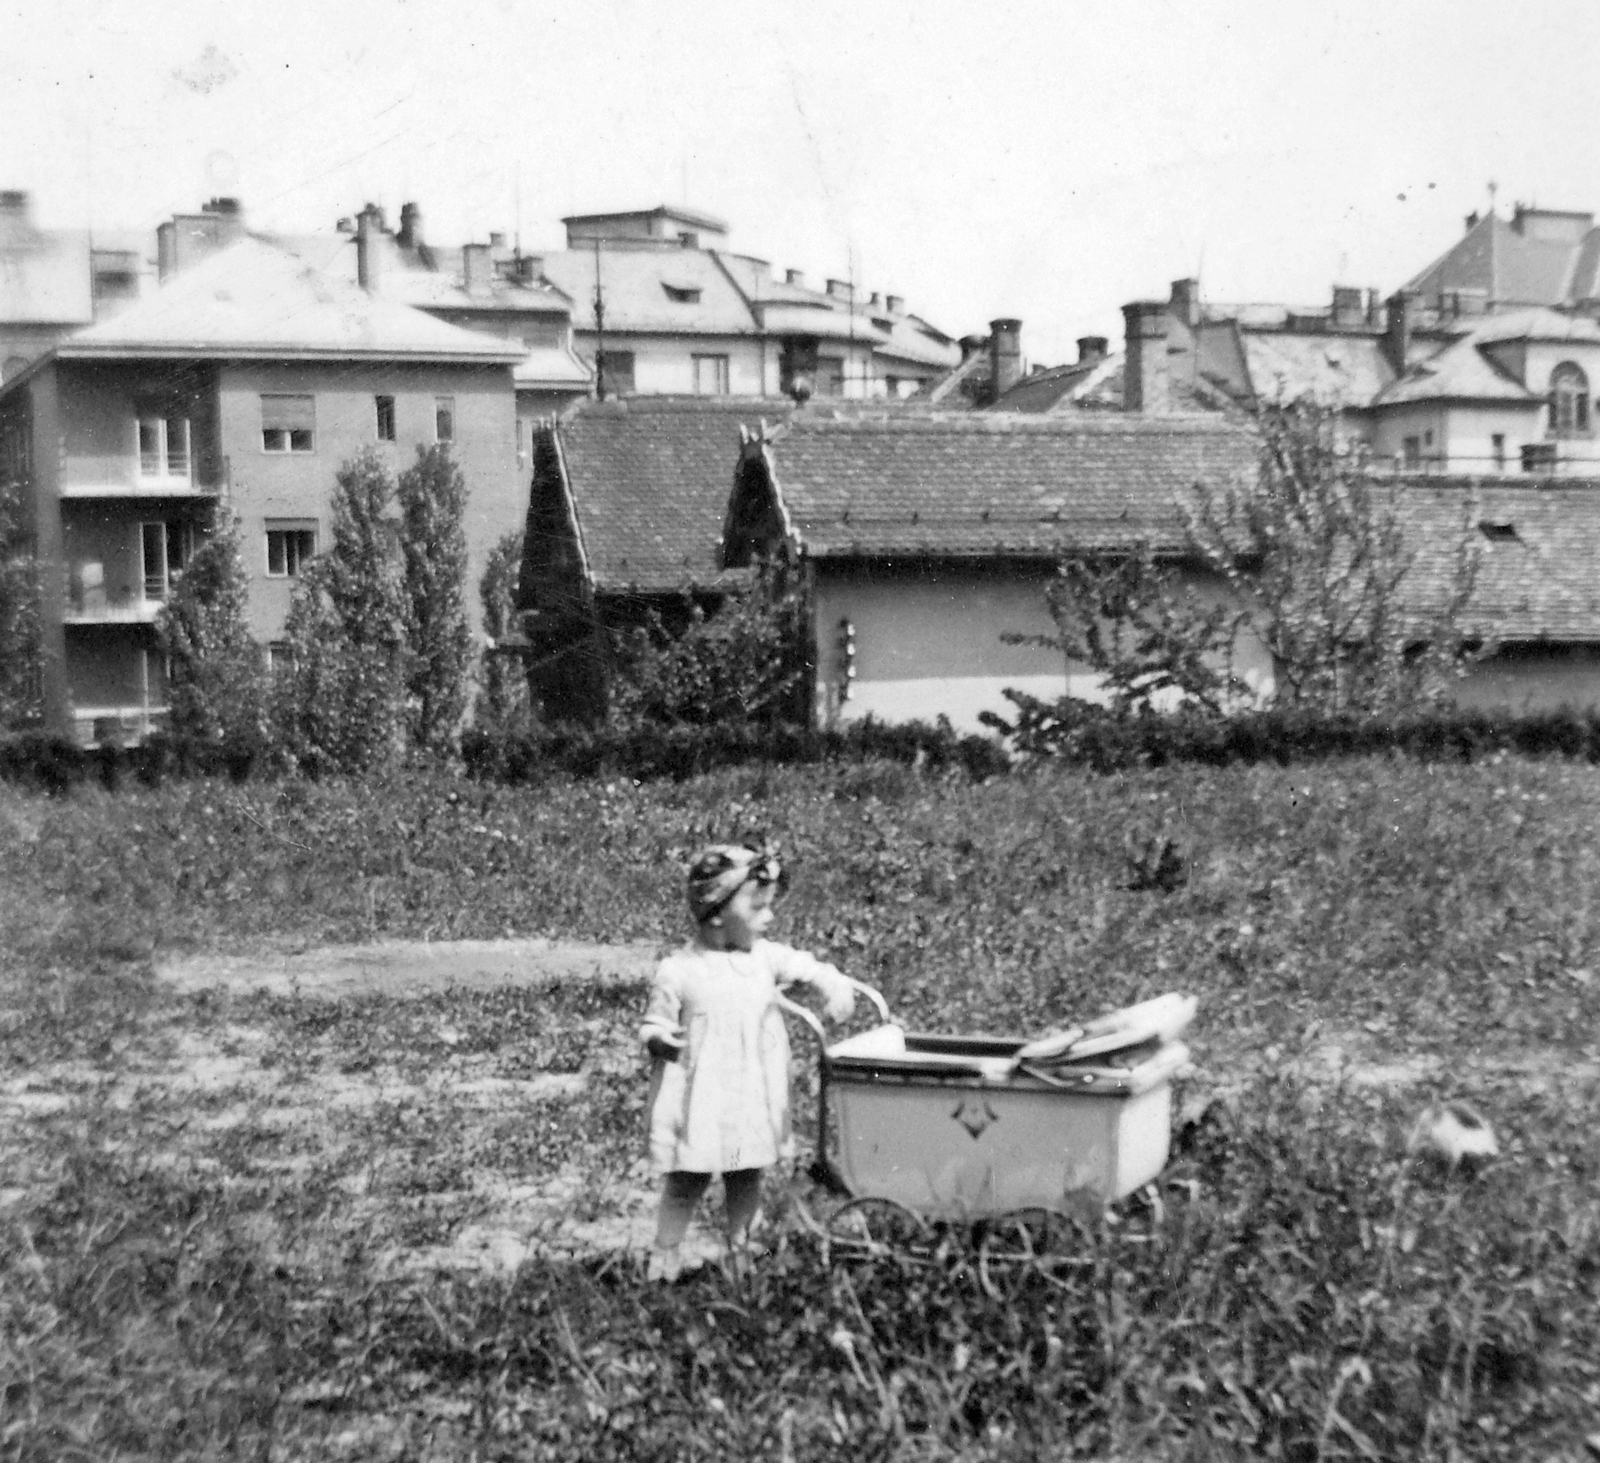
point(836, 732)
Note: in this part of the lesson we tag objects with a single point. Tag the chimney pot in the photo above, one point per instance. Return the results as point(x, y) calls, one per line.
point(1005, 354)
point(15, 202)
point(410, 235)
point(794, 276)
point(1472, 220)
point(225, 207)
point(477, 269)
point(1186, 300)
point(839, 288)
point(896, 304)
point(1346, 305)
point(1144, 365)
point(1091, 349)
point(368, 223)
point(497, 240)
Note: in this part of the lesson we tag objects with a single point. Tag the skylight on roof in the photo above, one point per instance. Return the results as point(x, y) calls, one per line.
point(682, 294)
point(1498, 532)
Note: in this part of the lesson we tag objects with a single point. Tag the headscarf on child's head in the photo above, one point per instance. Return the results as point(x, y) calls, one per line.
point(720, 870)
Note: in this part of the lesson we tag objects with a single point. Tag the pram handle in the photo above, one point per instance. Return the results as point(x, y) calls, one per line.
point(810, 1017)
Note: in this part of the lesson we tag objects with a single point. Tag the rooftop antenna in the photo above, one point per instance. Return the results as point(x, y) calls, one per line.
point(519, 210)
point(599, 328)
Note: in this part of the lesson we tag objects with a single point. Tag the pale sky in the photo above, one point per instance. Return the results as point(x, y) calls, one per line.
point(1044, 160)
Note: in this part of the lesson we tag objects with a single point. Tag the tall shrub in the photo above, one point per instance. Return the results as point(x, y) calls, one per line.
point(1315, 552)
point(341, 704)
point(743, 662)
point(215, 677)
point(503, 704)
point(20, 644)
point(432, 495)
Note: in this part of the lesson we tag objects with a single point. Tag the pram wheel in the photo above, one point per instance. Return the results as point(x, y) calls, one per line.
point(1046, 1241)
point(877, 1226)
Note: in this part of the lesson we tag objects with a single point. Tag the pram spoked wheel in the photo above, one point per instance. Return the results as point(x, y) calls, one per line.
point(1044, 1240)
point(877, 1226)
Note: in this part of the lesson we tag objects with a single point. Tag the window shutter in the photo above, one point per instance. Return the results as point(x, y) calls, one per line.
point(288, 413)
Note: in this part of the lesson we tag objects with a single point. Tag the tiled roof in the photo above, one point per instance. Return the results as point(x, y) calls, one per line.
point(651, 477)
point(1512, 266)
point(1535, 577)
point(999, 483)
point(1466, 369)
point(551, 365)
point(636, 283)
point(253, 299)
point(1338, 370)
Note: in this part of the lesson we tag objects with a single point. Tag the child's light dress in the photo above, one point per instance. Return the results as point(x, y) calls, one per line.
point(724, 1104)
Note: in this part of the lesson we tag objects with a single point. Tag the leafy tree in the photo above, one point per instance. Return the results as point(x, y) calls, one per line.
point(341, 705)
point(1319, 569)
point(744, 662)
point(432, 496)
point(21, 701)
point(215, 680)
point(1129, 619)
point(1316, 553)
point(503, 703)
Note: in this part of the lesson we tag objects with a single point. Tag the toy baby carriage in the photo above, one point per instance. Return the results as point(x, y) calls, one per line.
point(976, 1127)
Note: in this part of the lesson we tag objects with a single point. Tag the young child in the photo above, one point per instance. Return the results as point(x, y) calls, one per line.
point(719, 1095)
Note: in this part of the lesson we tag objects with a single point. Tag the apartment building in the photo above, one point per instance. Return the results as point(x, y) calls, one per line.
point(243, 383)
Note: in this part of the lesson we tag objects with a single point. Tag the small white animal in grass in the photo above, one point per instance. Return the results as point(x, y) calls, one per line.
point(1455, 1132)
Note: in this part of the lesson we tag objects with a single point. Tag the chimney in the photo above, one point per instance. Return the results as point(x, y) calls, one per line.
point(896, 304)
point(166, 251)
point(15, 205)
point(839, 288)
point(497, 240)
point(1186, 301)
point(223, 207)
point(477, 268)
point(1144, 365)
point(1472, 220)
point(795, 277)
point(1091, 349)
point(1397, 330)
point(410, 235)
point(369, 223)
point(528, 268)
point(1346, 305)
point(1005, 355)
point(971, 345)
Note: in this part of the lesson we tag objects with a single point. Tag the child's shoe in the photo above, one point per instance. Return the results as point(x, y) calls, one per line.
point(664, 1265)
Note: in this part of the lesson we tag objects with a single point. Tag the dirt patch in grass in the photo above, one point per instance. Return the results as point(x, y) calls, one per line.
point(408, 967)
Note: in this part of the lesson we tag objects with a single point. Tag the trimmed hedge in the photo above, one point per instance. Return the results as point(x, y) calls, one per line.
point(1074, 733)
point(56, 764)
point(1090, 736)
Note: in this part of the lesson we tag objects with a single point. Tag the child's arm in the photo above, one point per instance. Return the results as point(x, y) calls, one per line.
point(660, 1031)
point(796, 966)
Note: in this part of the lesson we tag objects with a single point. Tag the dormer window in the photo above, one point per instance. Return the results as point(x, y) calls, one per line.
point(682, 294)
point(1569, 400)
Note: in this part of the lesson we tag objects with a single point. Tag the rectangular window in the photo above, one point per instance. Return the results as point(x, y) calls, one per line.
point(288, 423)
point(710, 375)
point(1498, 443)
point(385, 410)
point(165, 549)
point(1413, 451)
point(830, 376)
point(616, 369)
point(444, 419)
point(289, 550)
point(1539, 457)
point(163, 446)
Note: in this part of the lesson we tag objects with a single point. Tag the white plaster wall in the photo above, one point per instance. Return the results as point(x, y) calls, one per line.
point(663, 365)
point(928, 641)
point(1535, 679)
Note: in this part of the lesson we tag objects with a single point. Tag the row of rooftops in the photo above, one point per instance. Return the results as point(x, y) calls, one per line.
point(654, 487)
point(658, 271)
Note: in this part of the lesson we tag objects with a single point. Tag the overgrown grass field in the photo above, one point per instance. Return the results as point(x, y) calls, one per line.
point(235, 1225)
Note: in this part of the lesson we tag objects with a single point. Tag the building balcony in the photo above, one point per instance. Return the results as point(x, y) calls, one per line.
point(115, 726)
point(89, 604)
point(141, 487)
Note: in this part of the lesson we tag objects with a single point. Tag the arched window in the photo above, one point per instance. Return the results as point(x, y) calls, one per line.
point(1569, 400)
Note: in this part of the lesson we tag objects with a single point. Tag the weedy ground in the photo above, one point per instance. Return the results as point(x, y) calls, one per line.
point(287, 1227)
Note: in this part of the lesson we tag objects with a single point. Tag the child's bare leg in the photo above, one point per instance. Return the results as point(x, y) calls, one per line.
point(680, 1195)
point(743, 1190)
